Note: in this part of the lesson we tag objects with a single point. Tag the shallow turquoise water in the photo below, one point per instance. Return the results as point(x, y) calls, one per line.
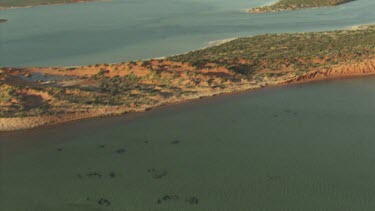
point(121, 30)
point(307, 147)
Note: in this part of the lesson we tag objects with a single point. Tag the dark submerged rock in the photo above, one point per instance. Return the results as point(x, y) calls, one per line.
point(120, 151)
point(173, 197)
point(168, 197)
point(157, 173)
point(104, 202)
point(94, 174)
point(192, 200)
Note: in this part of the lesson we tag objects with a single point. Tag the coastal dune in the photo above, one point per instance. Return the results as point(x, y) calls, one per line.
point(363, 68)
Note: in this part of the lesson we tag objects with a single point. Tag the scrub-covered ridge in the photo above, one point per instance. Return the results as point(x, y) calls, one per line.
point(281, 53)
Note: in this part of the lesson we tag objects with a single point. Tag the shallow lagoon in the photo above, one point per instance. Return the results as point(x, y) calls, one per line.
point(305, 147)
point(122, 30)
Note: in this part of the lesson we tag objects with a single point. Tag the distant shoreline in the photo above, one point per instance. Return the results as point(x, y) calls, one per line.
point(284, 5)
point(49, 4)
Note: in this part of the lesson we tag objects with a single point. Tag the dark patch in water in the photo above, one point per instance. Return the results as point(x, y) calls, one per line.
point(104, 202)
point(157, 173)
point(101, 146)
point(112, 174)
point(173, 197)
point(59, 149)
point(170, 197)
point(192, 200)
point(94, 174)
point(120, 151)
point(175, 142)
point(288, 111)
point(165, 198)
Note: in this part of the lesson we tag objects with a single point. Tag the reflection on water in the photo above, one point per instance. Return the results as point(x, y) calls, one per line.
point(308, 147)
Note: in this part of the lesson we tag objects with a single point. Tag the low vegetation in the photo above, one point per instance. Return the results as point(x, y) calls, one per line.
point(298, 52)
point(282, 5)
point(131, 86)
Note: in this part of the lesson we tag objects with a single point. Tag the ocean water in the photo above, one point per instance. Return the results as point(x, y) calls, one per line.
point(123, 30)
point(306, 147)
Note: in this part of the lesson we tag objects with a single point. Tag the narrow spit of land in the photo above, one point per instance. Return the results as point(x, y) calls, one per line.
point(283, 5)
point(31, 97)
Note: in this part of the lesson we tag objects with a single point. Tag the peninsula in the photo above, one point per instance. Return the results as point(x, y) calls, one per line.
point(31, 97)
point(283, 5)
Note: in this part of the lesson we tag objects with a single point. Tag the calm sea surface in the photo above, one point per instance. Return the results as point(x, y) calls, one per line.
point(121, 30)
point(305, 147)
